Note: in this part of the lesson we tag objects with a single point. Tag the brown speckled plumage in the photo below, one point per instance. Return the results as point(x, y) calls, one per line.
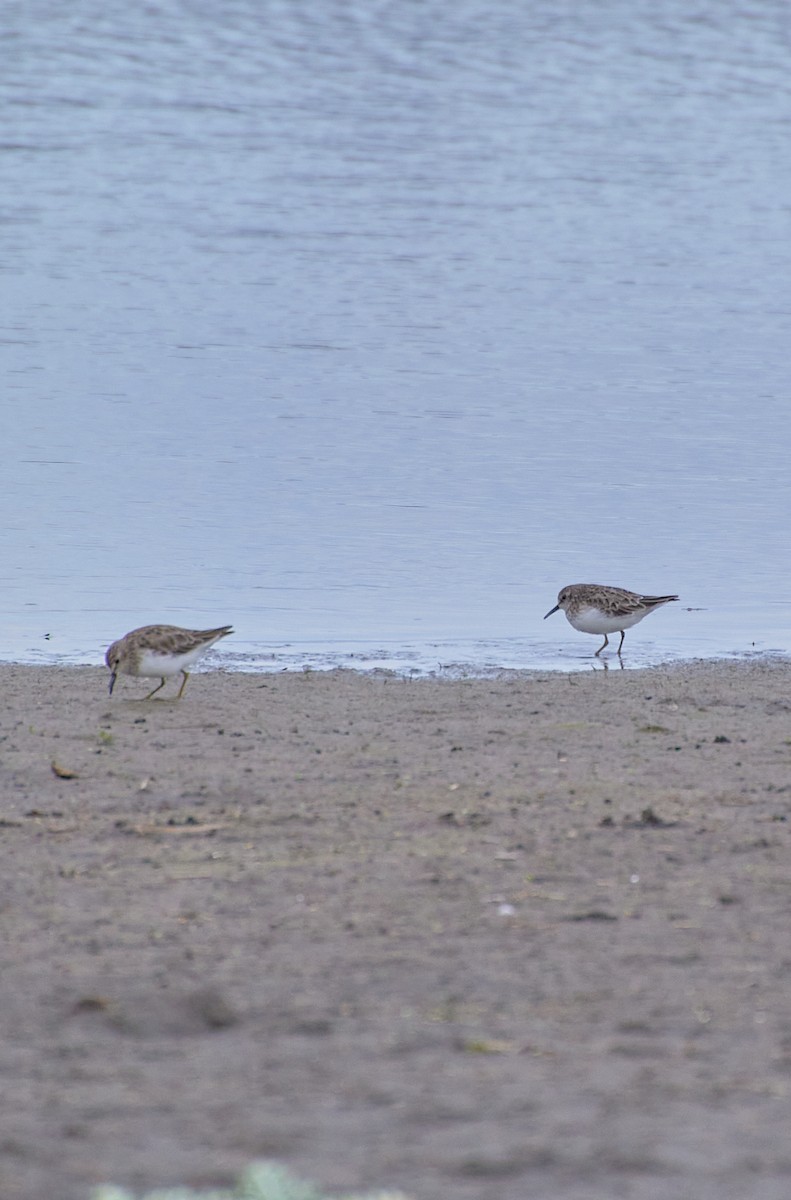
point(597, 608)
point(157, 651)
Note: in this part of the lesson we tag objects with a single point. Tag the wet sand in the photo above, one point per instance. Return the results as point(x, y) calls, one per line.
point(488, 939)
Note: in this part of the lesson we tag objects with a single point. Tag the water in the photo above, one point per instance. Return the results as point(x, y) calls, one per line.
point(368, 326)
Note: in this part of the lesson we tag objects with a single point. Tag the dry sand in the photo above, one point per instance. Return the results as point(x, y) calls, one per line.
point(490, 939)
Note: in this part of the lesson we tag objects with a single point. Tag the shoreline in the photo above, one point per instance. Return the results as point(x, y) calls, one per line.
point(451, 672)
point(480, 937)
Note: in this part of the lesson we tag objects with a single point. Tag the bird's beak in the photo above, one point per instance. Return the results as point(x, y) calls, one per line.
point(112, 682)
point(555, 609)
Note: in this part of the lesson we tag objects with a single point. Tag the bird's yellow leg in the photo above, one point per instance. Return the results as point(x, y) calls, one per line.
point(186, 675)
point(156, 689)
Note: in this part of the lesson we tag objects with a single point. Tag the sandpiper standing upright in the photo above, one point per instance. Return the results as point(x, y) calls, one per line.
point(596, 608)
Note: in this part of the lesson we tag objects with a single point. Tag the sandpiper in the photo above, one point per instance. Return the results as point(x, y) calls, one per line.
point(596, 608)
point(157, 651)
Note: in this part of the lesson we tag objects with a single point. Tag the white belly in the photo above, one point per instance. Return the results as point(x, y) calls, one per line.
point(591, 620)
point(160, 666)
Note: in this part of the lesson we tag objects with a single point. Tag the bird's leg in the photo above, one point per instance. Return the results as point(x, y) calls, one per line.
point(604, 643)
point(623, 635)
point(186, 675)
point(156, 689)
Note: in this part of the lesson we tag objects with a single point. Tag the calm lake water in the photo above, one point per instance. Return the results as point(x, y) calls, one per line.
point(367, 325)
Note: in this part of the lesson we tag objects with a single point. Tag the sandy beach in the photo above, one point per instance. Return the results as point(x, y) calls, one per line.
point(485, 939)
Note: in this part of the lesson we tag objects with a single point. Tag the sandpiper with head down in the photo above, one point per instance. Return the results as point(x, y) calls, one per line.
point(596, 608)
point(157, 651)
